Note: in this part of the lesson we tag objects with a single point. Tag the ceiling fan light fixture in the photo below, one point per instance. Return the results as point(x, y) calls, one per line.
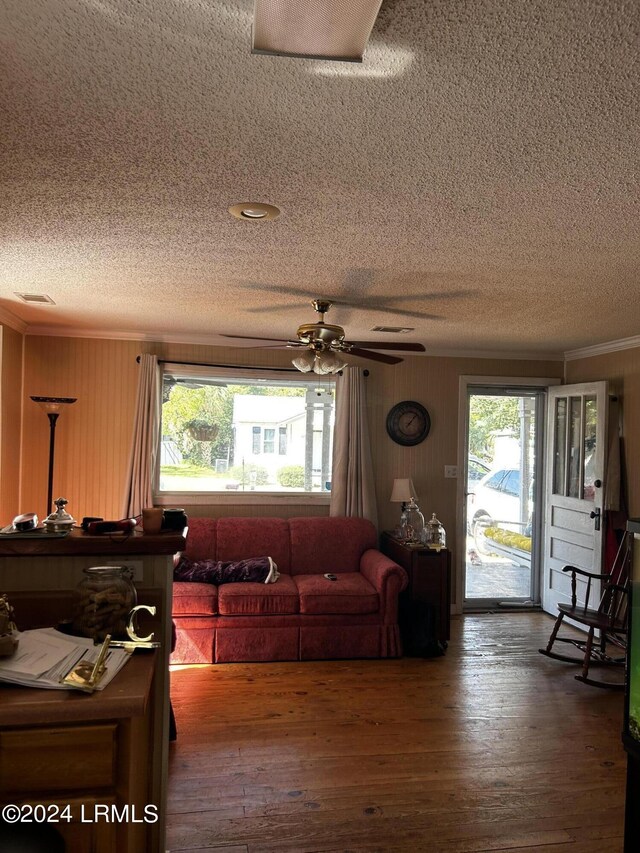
point(332, 29)
point(254, 211)
point(304, 362)
point(328, 362)
point(321, 363)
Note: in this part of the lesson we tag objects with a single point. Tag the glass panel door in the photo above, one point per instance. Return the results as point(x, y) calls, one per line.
point(501, 518)
point(574, 499)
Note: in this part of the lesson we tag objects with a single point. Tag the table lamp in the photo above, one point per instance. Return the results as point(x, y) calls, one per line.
point(411, 519)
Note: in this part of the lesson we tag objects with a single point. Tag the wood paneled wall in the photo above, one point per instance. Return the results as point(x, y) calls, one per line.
point(10, 422)
point(622, 370)
point(93, 436)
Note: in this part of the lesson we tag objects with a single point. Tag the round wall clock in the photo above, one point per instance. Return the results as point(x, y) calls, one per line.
point(408, 423)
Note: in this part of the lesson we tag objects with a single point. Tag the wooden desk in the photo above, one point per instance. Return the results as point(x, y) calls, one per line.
point(429, 582)
point(61, 747)
point(39, 576)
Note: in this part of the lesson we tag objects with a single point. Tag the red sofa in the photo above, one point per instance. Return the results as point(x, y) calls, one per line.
point(303, 616)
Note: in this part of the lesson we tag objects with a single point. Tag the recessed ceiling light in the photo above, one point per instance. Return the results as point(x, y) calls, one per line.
point(254, 211)
point(39, 298)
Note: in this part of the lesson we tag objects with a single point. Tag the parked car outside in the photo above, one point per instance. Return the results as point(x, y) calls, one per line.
point(495, 500)
point(476, 470)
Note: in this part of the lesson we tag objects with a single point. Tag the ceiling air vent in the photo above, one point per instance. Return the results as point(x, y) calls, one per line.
point(38, 298)
point(396, 330)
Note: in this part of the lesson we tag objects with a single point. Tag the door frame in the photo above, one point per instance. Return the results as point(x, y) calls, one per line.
point(520, 382)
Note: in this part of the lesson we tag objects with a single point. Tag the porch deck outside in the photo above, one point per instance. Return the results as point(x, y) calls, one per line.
point(491, 573)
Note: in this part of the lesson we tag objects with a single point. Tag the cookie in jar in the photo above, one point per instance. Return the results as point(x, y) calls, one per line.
point(103, 600)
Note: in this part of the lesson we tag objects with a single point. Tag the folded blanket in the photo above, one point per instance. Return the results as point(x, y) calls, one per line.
point(254, 569)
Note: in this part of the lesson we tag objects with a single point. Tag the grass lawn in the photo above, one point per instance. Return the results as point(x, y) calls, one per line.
point(189, 470)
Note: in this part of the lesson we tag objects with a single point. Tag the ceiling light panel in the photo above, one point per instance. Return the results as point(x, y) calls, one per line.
point(332, 29)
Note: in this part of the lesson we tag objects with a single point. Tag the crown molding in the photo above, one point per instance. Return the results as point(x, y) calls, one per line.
point(603, 349)
point(217, 341)
point(8, 318)
point(498, 355)
point(142, 337)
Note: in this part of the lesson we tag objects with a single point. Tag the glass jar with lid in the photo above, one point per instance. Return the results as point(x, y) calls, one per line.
point(414, 522)
point(434, 534)
point(103, 600)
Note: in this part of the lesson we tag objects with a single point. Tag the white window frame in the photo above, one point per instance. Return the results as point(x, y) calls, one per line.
point(233, 498)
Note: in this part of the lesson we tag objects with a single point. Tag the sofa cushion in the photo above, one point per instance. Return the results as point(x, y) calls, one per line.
point(350, 593)
point(239, 538)
point(329, 544)
point(194, 599)
point(254, 599)
point(201, 539)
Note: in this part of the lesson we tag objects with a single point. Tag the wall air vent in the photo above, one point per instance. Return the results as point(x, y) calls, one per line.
point(37, 298)
point(396, 330)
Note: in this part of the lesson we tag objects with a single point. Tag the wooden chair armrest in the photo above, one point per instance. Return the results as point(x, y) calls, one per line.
point(578, 571)
point(590, 577)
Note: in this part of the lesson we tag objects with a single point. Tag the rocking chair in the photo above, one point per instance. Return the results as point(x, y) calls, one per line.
point(609, 619)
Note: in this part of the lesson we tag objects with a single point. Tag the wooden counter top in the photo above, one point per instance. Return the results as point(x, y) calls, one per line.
point(79, 543)
point(126, 696)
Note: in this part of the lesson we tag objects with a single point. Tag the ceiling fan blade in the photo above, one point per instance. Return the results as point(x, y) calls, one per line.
point(254, 338)
point(375, 356)
point(400, 346)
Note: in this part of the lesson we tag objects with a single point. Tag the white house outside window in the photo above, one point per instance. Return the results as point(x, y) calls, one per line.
point(230, 431)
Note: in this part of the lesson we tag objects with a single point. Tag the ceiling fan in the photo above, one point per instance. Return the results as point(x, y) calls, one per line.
point(323, 344)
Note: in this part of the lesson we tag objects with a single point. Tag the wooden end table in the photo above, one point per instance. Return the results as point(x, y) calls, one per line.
point(428, 595)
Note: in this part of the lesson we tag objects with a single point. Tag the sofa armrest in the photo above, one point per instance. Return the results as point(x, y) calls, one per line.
point(388, 578)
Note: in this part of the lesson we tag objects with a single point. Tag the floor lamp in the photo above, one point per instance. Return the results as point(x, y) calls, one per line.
point(52, 406)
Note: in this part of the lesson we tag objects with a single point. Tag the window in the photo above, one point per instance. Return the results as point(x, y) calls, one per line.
point(494, 482)
point(230, 431)
point(511, 483)
point(256, 440)
point(269, 441)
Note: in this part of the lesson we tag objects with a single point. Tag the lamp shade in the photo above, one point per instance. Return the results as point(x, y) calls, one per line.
point(328, 362)
point(403, 490)
point(304, 362)
point(319, 362)
point(53, 404)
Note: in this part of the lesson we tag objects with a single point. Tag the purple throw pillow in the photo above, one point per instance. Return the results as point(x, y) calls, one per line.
point(253, 569)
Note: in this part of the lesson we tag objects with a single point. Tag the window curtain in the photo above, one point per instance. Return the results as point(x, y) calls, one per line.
point(352, 488)
point(144, 449)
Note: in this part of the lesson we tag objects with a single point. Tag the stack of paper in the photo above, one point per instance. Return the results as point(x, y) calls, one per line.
point(44, 656)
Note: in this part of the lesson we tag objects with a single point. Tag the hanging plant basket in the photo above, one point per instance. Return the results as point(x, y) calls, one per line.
point(202, 431)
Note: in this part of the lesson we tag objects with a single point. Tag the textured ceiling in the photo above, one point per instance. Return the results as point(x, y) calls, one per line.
point(475, 178)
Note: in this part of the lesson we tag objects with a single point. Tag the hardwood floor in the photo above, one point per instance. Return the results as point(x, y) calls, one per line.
point(490, 748)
